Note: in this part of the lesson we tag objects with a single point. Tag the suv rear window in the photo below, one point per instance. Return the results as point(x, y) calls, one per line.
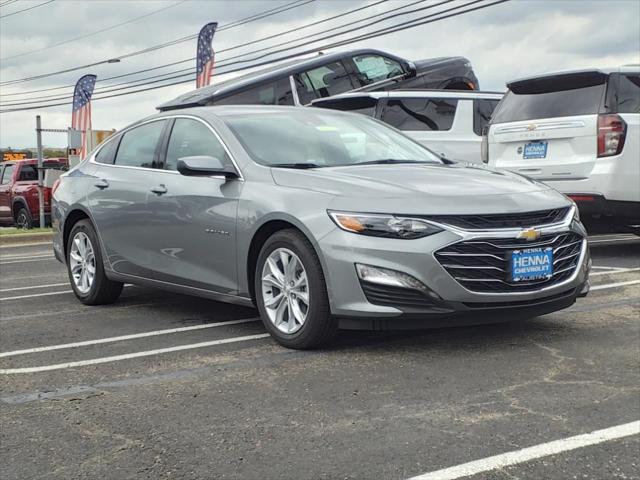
point(628, 93)
point(549, 103)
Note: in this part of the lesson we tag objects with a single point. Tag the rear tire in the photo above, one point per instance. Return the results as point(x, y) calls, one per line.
point(85, 267)
point(289, 278)
point(23, 219)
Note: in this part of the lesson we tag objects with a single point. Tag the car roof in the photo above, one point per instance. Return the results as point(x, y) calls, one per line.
point(415, 94)
point(272, 72)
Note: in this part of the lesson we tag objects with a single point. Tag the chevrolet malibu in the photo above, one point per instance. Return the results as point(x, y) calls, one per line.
point(318, 218)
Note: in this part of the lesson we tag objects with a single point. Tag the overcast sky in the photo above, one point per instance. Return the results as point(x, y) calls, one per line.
point(506, 41)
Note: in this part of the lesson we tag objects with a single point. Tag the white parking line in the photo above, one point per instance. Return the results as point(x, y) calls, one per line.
point(15, 256)
point(532, 453)
point(127, 337)
point(35, 295)
point(613, 271)
point(614, 285)
point(630, 239)
point(34, 286)
point(126, 356)
point(29, 260)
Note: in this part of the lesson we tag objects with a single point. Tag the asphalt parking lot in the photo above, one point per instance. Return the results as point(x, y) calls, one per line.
point(166, 386)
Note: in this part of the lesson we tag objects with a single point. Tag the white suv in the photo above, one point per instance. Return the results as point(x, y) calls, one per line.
point(448, 122)
point(580, 133)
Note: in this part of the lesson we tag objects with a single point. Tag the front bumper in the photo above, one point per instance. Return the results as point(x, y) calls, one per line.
point(351, 297)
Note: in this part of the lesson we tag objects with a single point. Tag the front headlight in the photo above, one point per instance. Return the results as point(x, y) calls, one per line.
point(381, 225)
point(576, 212)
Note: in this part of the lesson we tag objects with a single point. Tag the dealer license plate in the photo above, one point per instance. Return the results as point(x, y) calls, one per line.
point(535, 150)
point(531, 264)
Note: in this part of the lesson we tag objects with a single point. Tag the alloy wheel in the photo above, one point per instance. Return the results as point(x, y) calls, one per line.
point(82, 262)
point(22, 222)
point(285, 290)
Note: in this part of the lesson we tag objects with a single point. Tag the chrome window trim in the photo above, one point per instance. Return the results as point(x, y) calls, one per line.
point(157, 119)
point(544, 126)
point(296, 99)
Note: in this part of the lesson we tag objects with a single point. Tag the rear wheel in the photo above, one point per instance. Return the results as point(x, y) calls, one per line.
point(85, 267)
point(291, 292)
point(23, 219)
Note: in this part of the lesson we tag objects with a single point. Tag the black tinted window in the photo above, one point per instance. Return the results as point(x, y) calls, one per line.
point(561, 103)
point(482, 110)
point(374, 68)
point(107, 152)
point(192, 138)
point(6, 176)
point(416, 114)
point(629, 94)
point(364, 105)
point(324, 81)
point(28, 173)
point(138, 146)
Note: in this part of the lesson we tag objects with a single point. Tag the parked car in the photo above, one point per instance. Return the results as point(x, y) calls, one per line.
point(19, 201)
point(580, 133)
point(300, 81)
point(277, 207)
point(449, 122)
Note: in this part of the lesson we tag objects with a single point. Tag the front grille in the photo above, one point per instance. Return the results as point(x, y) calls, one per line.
point(482, 265)
point(395, 296)
point(503, 220)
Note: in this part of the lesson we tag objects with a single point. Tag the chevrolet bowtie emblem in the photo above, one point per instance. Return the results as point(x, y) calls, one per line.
point(529, 234)
point(532, 127)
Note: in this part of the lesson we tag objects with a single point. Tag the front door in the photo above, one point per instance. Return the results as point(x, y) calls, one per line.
point(6, 172)
point(191, 227)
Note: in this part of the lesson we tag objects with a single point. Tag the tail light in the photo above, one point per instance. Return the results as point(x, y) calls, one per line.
point(55, 186)
point(612, 130)
point(484, 146)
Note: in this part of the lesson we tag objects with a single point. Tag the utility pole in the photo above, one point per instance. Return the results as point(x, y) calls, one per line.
point(40, 172)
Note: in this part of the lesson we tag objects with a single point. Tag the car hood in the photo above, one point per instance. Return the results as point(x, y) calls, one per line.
point(423, 188)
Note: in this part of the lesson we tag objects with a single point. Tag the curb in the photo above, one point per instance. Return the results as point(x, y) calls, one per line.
point(20, 239)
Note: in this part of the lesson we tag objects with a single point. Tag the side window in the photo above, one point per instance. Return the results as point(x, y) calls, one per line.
point(629, 94)
point(6, 175)
point(420, 114)
point(138, 146)
point(374, 68)
point(28, 173)
point(190, 138)
point(482, 110)
point(284, 96)
point(262, 95)
point(325, 81)
point(107, 152)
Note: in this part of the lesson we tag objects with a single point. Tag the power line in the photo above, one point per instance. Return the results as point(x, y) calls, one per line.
point(296, 29)
point(259, 16)
point(7, 2)
point(106, 29)
point(385, 31)
point(26, 9)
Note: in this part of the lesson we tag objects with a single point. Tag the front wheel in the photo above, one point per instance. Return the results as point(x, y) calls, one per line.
point(85, 267)
point(23, 219)
point(291, 292)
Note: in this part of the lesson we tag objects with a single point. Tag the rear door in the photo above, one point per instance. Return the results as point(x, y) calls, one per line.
point(547, 128)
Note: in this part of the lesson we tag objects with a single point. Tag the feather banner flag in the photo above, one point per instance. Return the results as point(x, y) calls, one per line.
point(81, 112)
point(205, 55)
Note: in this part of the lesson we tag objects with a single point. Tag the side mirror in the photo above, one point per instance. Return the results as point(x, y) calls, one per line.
point(204, 165)
point(411, 69)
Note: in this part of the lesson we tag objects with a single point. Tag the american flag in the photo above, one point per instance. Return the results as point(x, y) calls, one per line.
point(205, 58)
point(81, 113)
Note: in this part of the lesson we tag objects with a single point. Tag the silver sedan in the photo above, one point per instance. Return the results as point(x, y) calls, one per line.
point(320, 219)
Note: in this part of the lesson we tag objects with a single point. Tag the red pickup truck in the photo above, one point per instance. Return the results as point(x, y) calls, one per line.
point(19, 192)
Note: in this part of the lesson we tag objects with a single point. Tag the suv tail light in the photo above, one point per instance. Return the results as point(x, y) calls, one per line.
point(612, 130)
point(55, 186)
point(484, 146)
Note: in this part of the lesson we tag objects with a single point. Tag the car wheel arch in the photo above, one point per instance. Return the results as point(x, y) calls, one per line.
point(19, 202)
point(262, 233)
point(73, 216)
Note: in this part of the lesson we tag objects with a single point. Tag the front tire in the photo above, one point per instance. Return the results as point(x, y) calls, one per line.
point(291, 293)
point(85, 267)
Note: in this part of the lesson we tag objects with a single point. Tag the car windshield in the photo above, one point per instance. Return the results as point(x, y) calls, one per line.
point(308, 138)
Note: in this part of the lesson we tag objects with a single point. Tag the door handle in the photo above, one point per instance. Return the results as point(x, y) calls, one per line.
point(159, 190)
point(102, 184)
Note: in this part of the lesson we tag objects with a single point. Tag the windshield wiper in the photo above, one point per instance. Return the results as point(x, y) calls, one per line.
point(390, 161)
point(301, 166)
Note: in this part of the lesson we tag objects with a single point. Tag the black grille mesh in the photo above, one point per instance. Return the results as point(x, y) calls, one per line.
point(482, 265)
point(503, 220)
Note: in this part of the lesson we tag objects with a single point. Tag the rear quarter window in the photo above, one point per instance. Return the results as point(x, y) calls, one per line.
point(420, 114)
point(628, 93)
